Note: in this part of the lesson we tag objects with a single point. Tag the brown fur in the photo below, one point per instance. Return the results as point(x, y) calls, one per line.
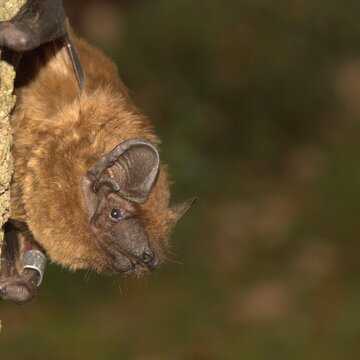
point(59, 133)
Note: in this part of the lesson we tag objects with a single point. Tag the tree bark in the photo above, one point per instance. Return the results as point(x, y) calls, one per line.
point(8, 8)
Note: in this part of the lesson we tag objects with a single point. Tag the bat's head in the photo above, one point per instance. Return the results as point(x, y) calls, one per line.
point(127, 208)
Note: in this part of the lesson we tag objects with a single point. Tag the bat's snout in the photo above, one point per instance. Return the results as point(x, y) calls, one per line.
point(130, 264)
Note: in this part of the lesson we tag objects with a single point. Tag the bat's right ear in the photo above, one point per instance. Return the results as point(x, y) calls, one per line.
point(129, 170)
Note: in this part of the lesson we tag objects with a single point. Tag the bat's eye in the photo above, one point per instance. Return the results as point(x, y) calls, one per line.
point(115, 214)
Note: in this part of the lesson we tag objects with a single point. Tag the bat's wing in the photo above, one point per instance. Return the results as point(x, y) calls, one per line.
point(37, 22)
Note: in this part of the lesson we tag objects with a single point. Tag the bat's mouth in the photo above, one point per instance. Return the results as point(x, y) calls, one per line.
point(128, 265)
point(122, 265)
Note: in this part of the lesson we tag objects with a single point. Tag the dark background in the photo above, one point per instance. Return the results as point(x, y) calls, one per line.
point(258, 106)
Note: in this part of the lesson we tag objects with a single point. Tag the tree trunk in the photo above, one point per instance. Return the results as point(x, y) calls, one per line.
point(8, 8)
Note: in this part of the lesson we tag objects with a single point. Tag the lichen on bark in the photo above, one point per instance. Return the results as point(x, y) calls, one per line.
point(8, 8)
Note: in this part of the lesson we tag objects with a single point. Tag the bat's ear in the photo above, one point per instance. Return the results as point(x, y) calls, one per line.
point(178, 210)
point(130, 170)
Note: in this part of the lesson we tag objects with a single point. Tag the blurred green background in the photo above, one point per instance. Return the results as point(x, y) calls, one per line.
point(257, 103)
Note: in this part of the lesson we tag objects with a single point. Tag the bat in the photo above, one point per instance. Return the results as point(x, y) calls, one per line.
point(89, 190)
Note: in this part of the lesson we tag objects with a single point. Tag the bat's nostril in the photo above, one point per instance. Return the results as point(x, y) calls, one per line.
point(147, 257)
point(150, 260)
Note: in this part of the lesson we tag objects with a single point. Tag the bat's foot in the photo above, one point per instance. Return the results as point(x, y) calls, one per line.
point(16, 290)
point(19, 289)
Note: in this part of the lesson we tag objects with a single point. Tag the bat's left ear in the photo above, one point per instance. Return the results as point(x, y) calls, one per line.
point(178, 210)
point(130, 170)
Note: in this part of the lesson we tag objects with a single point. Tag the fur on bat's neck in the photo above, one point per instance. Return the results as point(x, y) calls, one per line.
point(59, 134)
